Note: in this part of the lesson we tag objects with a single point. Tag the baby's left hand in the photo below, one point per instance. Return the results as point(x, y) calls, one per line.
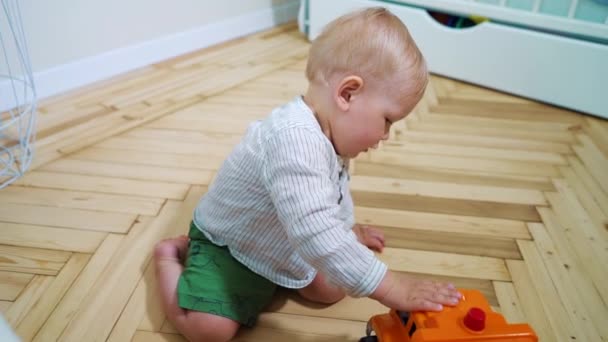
point(371, 237)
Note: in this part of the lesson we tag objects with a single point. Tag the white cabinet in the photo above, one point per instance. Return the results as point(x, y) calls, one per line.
point(510, 55)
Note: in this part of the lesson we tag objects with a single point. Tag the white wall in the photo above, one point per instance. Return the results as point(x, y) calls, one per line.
point(61, 31)
point(75, 42)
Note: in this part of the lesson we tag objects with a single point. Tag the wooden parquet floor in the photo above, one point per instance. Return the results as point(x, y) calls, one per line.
point(487, 190)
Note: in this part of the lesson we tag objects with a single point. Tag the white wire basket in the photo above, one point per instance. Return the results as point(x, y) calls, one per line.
point(17, 96)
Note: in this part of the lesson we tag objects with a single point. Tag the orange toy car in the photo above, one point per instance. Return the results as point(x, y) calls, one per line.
point(472, 320)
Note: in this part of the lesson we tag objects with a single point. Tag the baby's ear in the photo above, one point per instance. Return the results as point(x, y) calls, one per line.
point(348, 88)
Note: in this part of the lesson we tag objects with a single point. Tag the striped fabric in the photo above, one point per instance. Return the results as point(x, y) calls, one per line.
point(281, 204)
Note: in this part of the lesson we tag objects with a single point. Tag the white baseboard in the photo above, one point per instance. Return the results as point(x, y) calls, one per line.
point(96, 68)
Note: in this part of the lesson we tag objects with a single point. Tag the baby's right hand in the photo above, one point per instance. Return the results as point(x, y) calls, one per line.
point(406, 293)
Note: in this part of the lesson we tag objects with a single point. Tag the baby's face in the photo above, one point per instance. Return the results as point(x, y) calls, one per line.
point(368, 121)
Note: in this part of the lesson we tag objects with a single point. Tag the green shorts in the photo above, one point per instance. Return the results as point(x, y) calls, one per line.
point(214, 282)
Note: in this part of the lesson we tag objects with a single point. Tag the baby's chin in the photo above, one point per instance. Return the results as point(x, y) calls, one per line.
point(349, 155)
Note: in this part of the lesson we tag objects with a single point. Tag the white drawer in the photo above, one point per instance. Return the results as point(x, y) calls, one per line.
point(559, 70)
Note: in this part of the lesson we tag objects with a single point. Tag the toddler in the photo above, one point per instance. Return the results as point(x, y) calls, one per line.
point(280, 213)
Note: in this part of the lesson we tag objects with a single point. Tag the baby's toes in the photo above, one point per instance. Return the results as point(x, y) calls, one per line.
point(166, 249)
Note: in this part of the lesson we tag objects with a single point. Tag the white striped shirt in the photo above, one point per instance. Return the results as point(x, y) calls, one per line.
point(281, 204)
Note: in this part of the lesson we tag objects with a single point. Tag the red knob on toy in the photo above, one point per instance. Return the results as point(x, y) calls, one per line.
point(475, 319)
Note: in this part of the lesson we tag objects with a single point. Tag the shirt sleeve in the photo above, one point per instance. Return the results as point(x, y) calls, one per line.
point(297, 173)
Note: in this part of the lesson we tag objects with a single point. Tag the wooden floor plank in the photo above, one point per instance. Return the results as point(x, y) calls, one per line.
point(509, 302)
point(469, 91)
point(594, 161)
point(578, 228)
point(572, 257)
point(130, 171)
point(66, 218)
point(140, 302)
point(40, 311)
point(62, 239)
point(478, 152)
point(581, 301)
point(12, 283)
point(167, 159)
point(81, 200)
point(495, 166)
point(147, 336)
point(349, 308)
point(446, 206)
point(161, 85)
point(528, 111)
point(587, 201)
point(592, 187)
point(592, 222)
point(344, 329)
point(67, 308)
point(451, 243)
point(175, 147)
point(51, 122)
point(513, 123)
point(106, 185)
point(446, 198)
point(199, 137)
point(228, 109)
point(154, 316)
point(102, 307)
point(441, 223)
point(93, 131)
point(4, 305)
point(531, 305)
point(223, 126)
point(433, 174)
point(446, 233)
point(464, 139)
point(19, 310)
point(283, 324)
point(90, 94)
point(447, 190)
point(455, 265)
point(560, 310)
point(559, 137)
point(598, 134)
point(32, 260)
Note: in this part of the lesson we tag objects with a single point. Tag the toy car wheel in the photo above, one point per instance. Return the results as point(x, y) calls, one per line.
point(369, 339)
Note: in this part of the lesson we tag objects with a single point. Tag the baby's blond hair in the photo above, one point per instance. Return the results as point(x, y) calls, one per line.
point(370, 42)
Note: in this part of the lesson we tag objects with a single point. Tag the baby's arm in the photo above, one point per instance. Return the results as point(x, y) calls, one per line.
point(406, 293)
point(296, 172)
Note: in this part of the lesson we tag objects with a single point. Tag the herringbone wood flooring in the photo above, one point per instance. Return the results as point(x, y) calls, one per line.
point(487, 190)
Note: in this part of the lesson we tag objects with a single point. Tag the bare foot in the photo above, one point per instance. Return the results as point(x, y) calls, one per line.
point(172, 249)
point(169, 266)
point(195, 326)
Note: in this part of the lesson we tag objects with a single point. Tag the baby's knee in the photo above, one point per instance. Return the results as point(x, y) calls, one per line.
point(321, 291)
point(332, 296)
